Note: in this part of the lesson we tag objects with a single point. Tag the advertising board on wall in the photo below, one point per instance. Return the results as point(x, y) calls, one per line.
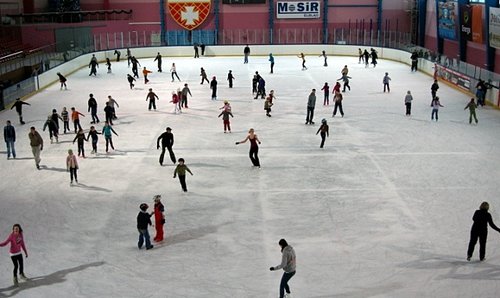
point(494, 26)
point(297, 9)
point(471, 27)
point(447, 19)
point(453, 77)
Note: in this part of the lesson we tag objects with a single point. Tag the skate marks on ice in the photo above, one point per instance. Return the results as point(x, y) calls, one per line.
point(46, 280)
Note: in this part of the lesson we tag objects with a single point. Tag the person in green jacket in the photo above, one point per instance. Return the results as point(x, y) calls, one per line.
point(472, 110)
point(181, 171)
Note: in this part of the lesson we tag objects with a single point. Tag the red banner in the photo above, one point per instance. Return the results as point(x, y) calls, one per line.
point(189, 14)
point(477, 23)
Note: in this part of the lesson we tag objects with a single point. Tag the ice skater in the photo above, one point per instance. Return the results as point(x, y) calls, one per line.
point(184, 97)
point(414, 61)
point(56, 117)
point(152, 97)
point(303, 58)
point(435, 107)
point(226, 106)
point(93, 65)
point(181, 170)
point(118, 54)
point(288, 264)
point(255, 82)
point(65, 119)
point(173, 72)
point(62, 80)
point(374, 55)
point(108, 113)
point(323, 54)
point(175, 101)
point(159, 218)
point(225, 119)
point(386, 81)
point(366, 56)
point(261, 88)
point(408, 100)
point(213, 86)
point(93, 134)
point(246, 53)
point(80, 139)
point(324, 130)
point(145, 73)
point(336, 88)
point(72, 166)
point(75, 116)
point(92, 108)
point(9, 135)
point(143, 222)
point(36, 143)
point(337, 99)
point(311, 103)
point(230, 78)
point(158, 58)
point(271, 62)
point(345, 80)
point(108, 64)
point(131, 81)
point(326, 90)
point(17, 246)
point(472, 106)
point(203, 75)
point(167, 141)
point(268, 103)
point(52, 126)
point(434, 89)
point(129, 57)
point(479, 230)
point(254, 147)
point(106, 131)
point(360, 56)
point(135, 66)
point(112, 103)
point(196, 51)
point(18, 104)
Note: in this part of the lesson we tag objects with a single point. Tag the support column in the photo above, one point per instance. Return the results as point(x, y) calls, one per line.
point(216, 20)
point(422, 17)
point(462, 42)
point(325, 21)
point(439, 40)
point(379, 16)
point(271, 21)
point(162, 23)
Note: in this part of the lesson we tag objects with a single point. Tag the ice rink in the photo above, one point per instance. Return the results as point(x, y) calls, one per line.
point(383, 210)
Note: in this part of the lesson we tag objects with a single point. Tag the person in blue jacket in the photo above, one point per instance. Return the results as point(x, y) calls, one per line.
point(107, 131)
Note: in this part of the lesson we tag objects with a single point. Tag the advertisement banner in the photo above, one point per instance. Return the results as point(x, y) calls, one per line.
point(453, 77)
point(447, 19)
point(466, 24)
point(494, 32)
point(477, 23)
point(298, 10)
point(189, 14)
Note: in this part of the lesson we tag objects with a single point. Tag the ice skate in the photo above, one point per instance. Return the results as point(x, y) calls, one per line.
point(23, 277)
point(16, 282)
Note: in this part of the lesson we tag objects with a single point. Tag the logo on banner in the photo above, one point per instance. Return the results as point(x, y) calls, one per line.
point(297, 10)
point(189, 14)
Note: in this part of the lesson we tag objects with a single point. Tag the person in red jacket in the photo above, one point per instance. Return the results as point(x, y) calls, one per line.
point(16, 242)
point(159, 218)
point(145, 73)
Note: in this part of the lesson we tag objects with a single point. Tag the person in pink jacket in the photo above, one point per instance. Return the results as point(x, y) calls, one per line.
point(16, 242)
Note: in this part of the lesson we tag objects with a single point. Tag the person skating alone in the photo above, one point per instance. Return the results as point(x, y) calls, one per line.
point(72, 166)
point(472, 106)
point(118, 54)
point(303, 58)
point(288, 264)
point(311, 103)
point(93, 65)
point(17, 246)
point(135, 66)
point(271, 62)
point(213, 86)
point(18, 104)
point(225, 119)
point(479, 230)
point(108, 64)
point(196, 51)
point(246, 53)
point(131, 81)
point(254, 147)
point(112, 103)
point(152, 97)
point(268, 103)
point(52, 126)
point(145, 73)
point(434, 89)
point(337, 99)
point(324, 130)
point(230, 78)
point(360, 55)
point(56, 117)
point(36, 143)
point(326, 90)
point(9, 135)
point(323, 54)
point(173, 72)
point(158, 58)
point(386, 81)
point(345, 80)
point(414, 61)
point(143, 222)
point(366, 57)
point(75, 116)
point(203, 75)
point(408, 100)
point(80, 139)
point(93, 134)
point(159, 215)
point(203, 46)
point(108, 113)
point(167, 141)
point(129, 57)
point(92, 108)
point(107, 131)
point(184, 96)
point(180, 171)
point(62, 80)
point(435, 108)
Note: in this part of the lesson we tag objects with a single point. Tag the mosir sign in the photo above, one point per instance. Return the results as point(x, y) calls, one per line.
point(297, 10)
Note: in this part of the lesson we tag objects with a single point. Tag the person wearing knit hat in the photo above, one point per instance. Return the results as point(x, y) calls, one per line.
point(143, 222)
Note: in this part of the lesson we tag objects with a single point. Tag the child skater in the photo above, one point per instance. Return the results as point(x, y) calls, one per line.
point(93, 133)
point(52, 126)
point(75, 116)
point(143, 222)
point(303, 57)
point(72, 166)
point(230, 78)
point(62, 80)
point(80, 137)
point(225, 118)
point(145, 73)
point(159, 218)
point(386, 81)
point(323, 129)
point(65, 118)
point(181, 171)
point(108, 64)
point(106, 131)
point(16, 242)
point(435, 107)
point(226, 106)
point(323, 54)
point(472, 110)
point(254, 147)
point(175, 101)
point(267, 106)
point(326, 90)
point(479, 230)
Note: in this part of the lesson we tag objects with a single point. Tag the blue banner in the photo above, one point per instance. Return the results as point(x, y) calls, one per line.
point(447, 19)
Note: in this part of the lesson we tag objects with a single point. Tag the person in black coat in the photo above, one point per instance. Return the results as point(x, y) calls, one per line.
point(9, 135)
point(19, 108)
point(93, 65)
point(167, 141)
point(414, 61)
point(202, 46)
point(479, 230)
point(158, 58)
point(196, 52)
point(92, 103)
point(213, 86)
point(143, 222)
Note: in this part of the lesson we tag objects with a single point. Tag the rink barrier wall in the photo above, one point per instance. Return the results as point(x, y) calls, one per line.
point(50, 77)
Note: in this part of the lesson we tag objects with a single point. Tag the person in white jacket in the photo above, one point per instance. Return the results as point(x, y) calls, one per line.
point(288, 265)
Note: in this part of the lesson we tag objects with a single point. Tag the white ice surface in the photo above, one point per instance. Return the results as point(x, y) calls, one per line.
point(384, 210)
